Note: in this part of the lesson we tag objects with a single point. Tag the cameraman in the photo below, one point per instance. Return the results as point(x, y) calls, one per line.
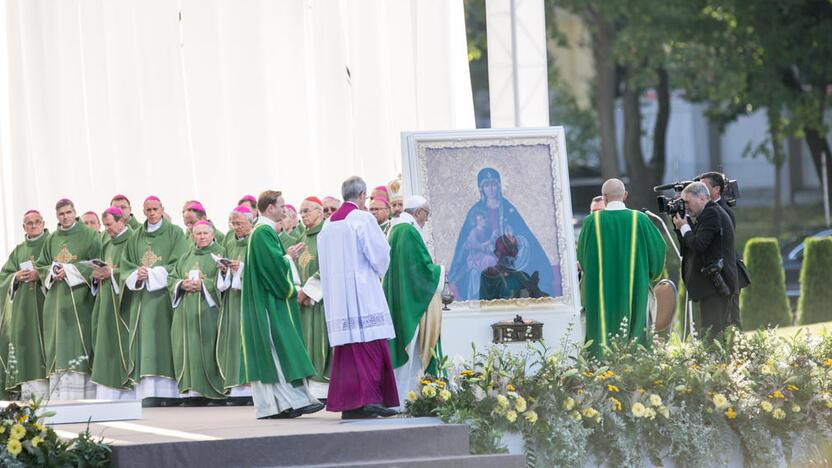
point(715, 181)
point(708, 255)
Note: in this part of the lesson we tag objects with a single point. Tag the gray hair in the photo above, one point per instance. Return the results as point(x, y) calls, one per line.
point(249, 216)
point(353, 187)
point(613, 189)
point(697, 189)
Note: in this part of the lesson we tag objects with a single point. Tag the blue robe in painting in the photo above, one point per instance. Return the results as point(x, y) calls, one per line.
point(474, 250)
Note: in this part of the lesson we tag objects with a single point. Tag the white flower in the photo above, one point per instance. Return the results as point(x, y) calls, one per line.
point(664, 412)
point(655, 400)
point(720, 402)
point(520, 404)
point(638, 410)
point(412, 396)
point(479, 393)
point(650, 413)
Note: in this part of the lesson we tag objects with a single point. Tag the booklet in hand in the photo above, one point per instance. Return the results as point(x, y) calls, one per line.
point(94, 263)
point(221, 260)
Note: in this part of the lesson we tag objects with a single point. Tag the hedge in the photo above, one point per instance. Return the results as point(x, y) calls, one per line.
point(764, 303)
point(815, 303)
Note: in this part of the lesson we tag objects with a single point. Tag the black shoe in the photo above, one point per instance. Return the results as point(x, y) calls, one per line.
point(195, 401)
point(313, 408)
point(290, 413)
point(170, 402)
point(151, 402)
point(238, 401)
point(380, 411)
point(359, 413)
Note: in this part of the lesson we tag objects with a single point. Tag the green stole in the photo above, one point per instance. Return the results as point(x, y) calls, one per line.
point(270, 313)
point(312, 318)
point(409, 285)
point(67, 311)
point(229, 341)
point(109, 319)
point(151, 312)
point(195, 324)
point(620, 252)
point(21, 308)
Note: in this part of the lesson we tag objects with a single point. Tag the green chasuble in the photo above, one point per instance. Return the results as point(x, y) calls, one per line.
point(21, 305)
point(230, 345)
point(134, 223)
point(151, 311)
point(292, 237)
point(409, 286)
point(193, 333)
point(109, 318)
point(270, 313)
point(67, 310)
point(620, 252)
point(312, 318)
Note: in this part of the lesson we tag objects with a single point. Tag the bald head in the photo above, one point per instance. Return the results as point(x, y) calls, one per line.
point(613, 190)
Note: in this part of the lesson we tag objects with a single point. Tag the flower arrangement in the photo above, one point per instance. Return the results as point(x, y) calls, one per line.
point(26, 441)
point(692, 402)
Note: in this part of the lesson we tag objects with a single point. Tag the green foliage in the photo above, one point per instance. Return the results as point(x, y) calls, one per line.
point(815, 303)
point(684, 402)
point(764, 302)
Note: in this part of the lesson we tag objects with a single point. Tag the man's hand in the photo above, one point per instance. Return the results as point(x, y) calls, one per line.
point(141, 274)
point(26, 276)
point(101, 273)
point(295, 250)
point(235, 265)
point(222, 267)
point(58, 274)
point(679, 221)
point(302, 297)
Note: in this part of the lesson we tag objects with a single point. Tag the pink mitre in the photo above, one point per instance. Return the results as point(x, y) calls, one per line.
point(383, 200)
point(202, 223)
point(114, 211)
point(242, 209)
point(290, 207)
point(152, 198)
point(30, 212)
point(249, 198)
point(196, 206)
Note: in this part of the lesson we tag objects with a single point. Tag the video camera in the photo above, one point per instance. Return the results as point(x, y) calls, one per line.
point(672, 206)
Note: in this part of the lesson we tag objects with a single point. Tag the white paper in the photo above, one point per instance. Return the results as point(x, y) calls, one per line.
point(193, 275)
point(94, 263)
point(27, 266)
point(312, 288)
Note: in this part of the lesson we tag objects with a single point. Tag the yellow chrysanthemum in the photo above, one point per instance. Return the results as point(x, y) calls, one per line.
point(520, 404)
point(777, 394)
point(664, 412)
point(658, 382)
point(40, 427)
point(649, 413)
point(638, 410)
point(502, 401)
point(412, 396)
point(590, 412)
point(467, 373)
point(828, 362)
point(424, 382)
point(731, 414)
point(36, 440)
point(778, 414)
point(616, 403)
point(511, 416)
point(17, 432)
point(429, 391)
point(510, 388)
point(795, 409)
point(441, 383)
point(766, 406)
point(568, 404)
point(575, 415)
point(720, 402)
point(445, 395)
point(792, 388)
point(586, 373)
point(612, 388)
point(2, 428)
point(531, 416)
point(14, 447)
point(655, 400)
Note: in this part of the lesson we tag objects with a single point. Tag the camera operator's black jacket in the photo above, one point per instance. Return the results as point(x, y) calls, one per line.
point(711, 237)
point(724, 205)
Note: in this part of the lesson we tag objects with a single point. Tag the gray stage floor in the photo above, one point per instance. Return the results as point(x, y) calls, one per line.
point(182, 424)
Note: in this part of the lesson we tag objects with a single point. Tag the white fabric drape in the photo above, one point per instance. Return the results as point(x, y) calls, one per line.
point(100, 97)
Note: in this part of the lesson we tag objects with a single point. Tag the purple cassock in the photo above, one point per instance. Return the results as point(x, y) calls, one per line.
point(358, 320)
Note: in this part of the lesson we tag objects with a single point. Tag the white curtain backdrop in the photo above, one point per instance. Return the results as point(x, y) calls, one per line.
point(99, 97)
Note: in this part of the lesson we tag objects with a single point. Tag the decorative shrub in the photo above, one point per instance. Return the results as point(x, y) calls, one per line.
point(764, 303)
point(815, 303)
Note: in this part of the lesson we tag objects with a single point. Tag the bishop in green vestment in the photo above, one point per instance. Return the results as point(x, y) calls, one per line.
point(122, 203)
point(21, 304)
point(195, 287)
point(292, 230)
point(110, 313)
point(67, 308)
point(310, 298)
point(412, 286)
point(620, 252)
point(148, 260)
point(230, 346)
point(194, 212)
point(274, 355)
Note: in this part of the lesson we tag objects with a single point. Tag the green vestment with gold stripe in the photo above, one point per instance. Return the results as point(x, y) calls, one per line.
point(620, 253)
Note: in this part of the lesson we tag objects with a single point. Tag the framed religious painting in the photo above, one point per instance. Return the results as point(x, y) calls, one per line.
point(500, 221)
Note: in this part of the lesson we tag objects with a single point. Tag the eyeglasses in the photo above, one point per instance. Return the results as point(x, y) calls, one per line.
point(378, 209)
point(330, 210)
point(33, 223)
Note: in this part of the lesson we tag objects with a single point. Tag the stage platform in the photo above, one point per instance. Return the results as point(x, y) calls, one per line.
point(231, 436)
